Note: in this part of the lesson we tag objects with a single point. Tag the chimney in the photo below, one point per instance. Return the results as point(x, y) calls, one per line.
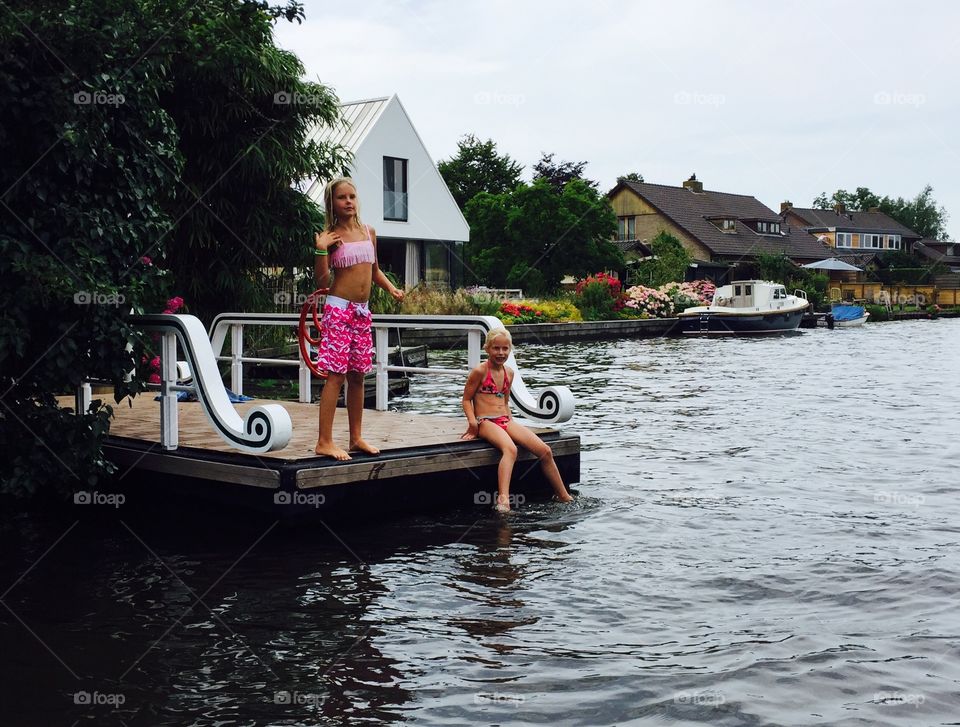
point(785, 205)
point(840, 208)
point(693, 185)
point(873, 209)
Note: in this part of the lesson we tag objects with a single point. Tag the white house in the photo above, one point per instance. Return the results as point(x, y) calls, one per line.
point(420, 228)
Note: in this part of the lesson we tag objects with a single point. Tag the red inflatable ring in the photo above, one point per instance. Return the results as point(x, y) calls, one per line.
point(310, 318)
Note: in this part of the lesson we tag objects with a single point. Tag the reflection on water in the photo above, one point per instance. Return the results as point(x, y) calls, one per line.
point(767, 534)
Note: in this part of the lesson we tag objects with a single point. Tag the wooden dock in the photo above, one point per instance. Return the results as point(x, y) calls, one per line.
point(423, 462)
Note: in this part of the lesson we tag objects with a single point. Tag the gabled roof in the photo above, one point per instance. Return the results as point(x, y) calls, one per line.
point(877, 222)
point(358, 118)
point(692, 212)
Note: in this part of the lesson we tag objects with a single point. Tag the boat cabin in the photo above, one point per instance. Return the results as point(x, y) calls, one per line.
point(759, 294)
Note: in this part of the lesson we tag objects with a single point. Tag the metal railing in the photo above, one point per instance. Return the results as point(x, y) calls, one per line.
point(554, 404)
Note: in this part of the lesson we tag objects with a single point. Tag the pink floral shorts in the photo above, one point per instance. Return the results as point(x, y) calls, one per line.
point(346, 343)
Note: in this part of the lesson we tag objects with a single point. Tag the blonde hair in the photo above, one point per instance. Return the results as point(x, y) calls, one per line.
point(330, 219)
point(493, 334)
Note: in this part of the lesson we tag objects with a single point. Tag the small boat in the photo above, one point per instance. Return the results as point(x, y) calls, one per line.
point(746, 307)
point(849, 316)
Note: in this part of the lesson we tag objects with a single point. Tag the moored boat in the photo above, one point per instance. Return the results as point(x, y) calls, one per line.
point(746, 307)
point(849, 316)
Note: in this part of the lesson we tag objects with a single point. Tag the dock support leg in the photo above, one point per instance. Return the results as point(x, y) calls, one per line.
point(382, 378)
point(169, 426)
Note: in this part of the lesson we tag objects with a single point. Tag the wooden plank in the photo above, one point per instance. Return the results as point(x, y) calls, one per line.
point(450, 461)
point(186, 466)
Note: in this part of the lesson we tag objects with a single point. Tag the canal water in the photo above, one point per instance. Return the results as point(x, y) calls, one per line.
point(768, 533)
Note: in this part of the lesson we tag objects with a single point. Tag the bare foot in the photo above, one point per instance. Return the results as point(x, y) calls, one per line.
point(500, 507)
point(331, 450)
point(359, 445)
point(565, 497)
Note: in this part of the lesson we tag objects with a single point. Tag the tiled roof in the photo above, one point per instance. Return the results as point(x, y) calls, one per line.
point(852, 221)
point(632, 246)
point(693, 212)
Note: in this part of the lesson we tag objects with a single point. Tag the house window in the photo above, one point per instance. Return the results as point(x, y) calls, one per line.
point(893, 242)
point(844, 239)
point(872, 241)
point(775, 227)
point(394, 189)
point(626, 228)
point(762, 226)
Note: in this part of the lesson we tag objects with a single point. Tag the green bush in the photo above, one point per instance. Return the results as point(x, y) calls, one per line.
point(595, 302)
point(877, 313)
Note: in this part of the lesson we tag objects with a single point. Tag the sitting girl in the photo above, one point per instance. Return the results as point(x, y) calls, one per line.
point(485, 403)
point(346, 344)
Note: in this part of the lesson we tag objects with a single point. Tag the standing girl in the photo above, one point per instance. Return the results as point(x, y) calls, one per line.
point(485, 403)
point(346, 344)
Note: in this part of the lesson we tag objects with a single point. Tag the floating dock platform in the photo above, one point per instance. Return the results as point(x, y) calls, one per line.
point(423, 462)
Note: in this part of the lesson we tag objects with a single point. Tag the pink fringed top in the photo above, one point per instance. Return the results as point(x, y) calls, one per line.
point(351, 253)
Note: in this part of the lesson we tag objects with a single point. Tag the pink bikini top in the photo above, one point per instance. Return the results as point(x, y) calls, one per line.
point(489, 386)
point(351, 253)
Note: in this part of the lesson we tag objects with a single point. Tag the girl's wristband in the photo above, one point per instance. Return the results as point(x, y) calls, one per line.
point(318, 251)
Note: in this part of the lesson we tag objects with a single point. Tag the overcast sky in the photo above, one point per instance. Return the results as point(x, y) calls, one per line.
point(776, 100)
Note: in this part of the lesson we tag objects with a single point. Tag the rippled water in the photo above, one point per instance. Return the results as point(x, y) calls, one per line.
point(768, 533)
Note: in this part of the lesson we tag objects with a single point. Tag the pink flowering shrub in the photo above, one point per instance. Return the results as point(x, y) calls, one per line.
point(688, 295)
point(643, 302)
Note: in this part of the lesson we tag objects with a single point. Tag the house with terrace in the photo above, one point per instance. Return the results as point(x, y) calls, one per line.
point(723, 232)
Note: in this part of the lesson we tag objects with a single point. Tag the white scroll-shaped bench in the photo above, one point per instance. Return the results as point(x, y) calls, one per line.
point(264, 429)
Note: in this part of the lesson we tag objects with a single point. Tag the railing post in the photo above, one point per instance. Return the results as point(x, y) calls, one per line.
point(473, 347)
point(382, 380)
point(83, 397)
point(236, 354)
point(306, 383)
point(169, 425)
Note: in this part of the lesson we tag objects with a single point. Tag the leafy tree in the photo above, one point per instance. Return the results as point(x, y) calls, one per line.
point(243, 115)
point(668, 263)
point(533, 236)
point(921, 214)
point(476, 168)
point(631, 177)
point(559, 173)
point(116, 172)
